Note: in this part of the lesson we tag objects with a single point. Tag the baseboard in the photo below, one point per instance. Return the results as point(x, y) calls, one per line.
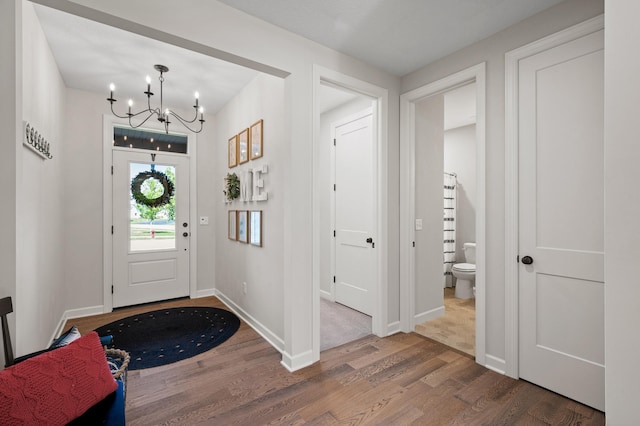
point(206, 293)
point(297, 362)
point(270, 337)
point(326, 295)
point(393, 328)
point(428, 315)
point(496, 364)
point(75, 313)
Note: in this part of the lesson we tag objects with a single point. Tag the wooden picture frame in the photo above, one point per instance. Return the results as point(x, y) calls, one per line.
point(243, 146)
point(243, 226)
point(255, 139)
point(255, 227)
point(233, 225)
point(233, 151)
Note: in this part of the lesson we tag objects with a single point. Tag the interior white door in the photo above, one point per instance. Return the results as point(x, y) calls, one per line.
point(355, 214)
point(150, 256)
point(561, 219)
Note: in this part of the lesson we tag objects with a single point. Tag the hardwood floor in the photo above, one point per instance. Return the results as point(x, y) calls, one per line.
point(402, 379)
point(457, 328)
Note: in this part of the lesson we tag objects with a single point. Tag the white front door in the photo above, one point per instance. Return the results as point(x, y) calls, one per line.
point(561, 219)
point(355, 213)
point(150, 244)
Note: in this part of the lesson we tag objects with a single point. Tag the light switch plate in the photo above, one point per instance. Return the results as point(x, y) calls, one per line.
point(418, 224)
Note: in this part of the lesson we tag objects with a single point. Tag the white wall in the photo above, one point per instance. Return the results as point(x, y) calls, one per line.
point(236, 263)
point(460, 158)
point(326, 181)
point(492, 50)
point(10, 160)
point(622, 210)
point(40, 294)
point(429, 204)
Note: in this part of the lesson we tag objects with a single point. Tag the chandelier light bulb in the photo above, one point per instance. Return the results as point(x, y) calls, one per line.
point(148, 80)
point(197, 95)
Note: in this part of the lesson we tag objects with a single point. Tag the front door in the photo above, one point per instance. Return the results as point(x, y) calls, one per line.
point(561, 219)
point(150, 227)
point(355, 213)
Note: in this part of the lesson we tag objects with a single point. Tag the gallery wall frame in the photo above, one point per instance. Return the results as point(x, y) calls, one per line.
point(255, 227)
point(233, 151)
point(243, 226)
point(233, 225)
point(255, 139)
point(243, 146)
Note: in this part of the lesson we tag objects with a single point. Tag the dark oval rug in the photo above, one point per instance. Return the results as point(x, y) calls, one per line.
point(169, 335)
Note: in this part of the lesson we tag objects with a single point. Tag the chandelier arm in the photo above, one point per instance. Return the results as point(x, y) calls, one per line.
point(184, 120)
point(144, 121)
point(186, 123)
point(116, 114)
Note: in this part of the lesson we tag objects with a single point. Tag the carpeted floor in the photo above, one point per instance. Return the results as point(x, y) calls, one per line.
point(457, 328)
point(340, 324)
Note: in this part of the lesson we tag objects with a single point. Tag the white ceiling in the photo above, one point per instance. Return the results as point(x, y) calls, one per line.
point(91, 55)
point(398, 36)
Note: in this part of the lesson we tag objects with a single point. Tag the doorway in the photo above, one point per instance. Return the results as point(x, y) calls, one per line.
point(148, 249)
point(340, 103)
point(420, 302)
point(451, 117)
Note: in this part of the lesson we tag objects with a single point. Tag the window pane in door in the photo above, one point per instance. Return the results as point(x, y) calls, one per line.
point(152, 207)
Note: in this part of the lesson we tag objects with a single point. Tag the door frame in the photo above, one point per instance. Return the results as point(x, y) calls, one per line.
point(332, 171)
point(380, 98)
point(511, 154)
point(108, 121)
point(408, 101)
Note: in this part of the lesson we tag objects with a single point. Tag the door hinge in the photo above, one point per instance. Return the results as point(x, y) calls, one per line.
point(334, 232)
point(518, 259)
point(111, 229)
point(414, 243)
point(334, 186)
point(334, 278)
point(111, 289)
point(334, 141)
point(111, 170)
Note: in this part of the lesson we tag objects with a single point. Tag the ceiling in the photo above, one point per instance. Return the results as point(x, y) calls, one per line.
point(389, 34)
point(398, 36)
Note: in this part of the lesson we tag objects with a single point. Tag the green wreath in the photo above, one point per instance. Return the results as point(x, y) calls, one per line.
point(141, 178)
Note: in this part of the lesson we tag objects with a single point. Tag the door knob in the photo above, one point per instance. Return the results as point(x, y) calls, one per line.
point(185, 224)
point(369, 240)
point(185, 234)
point(527, 260)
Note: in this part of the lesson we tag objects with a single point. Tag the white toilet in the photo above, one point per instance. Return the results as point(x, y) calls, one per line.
point(465, 273)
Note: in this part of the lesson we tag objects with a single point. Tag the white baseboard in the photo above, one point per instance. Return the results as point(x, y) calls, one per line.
point(206, 293)
point(75, 313)
point(496, 364)
point(393, 328)
point(326, 295)
point(428, 315)
point(297, 362)
point(269, 336)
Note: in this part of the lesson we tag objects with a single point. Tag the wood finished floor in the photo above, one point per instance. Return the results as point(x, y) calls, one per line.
point(399, 380)
point(457, 328)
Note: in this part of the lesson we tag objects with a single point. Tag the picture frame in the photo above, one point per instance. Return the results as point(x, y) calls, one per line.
point(255, 227)
point(232, 225)
point(243, 146)
point(233, 151)
point(255, 139)
point(243, 226)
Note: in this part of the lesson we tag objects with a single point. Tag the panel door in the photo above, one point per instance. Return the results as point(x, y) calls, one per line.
point(561, 219)
point(355, 214)
point(150, 244)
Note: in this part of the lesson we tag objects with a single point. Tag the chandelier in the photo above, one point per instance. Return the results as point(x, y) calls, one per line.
point(162, 114)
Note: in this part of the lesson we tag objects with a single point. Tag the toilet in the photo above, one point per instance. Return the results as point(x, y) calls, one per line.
point(465, 273)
